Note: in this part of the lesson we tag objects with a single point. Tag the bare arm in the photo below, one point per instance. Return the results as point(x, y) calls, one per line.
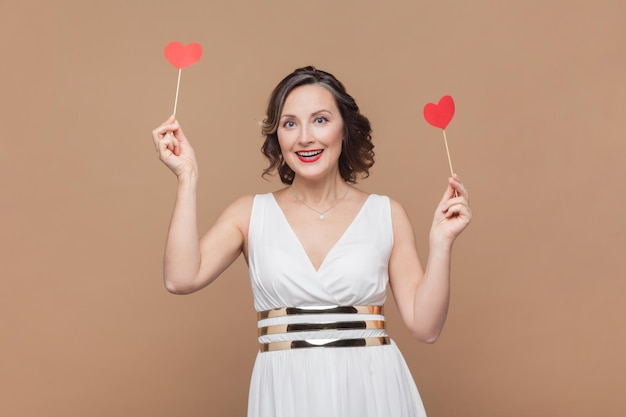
point(191, 263)
point(423, 296)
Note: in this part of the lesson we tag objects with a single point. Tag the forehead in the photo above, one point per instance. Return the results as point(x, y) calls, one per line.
point(309, 99)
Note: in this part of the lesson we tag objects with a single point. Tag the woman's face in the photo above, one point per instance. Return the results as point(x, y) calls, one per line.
point(310, 132)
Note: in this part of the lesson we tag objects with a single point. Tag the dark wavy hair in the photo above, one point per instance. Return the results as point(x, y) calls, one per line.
point(357, 155)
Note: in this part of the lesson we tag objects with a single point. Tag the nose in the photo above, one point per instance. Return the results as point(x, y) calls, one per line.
point(306, 136)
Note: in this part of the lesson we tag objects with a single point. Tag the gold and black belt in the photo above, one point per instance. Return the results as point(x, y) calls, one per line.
point(313, 323)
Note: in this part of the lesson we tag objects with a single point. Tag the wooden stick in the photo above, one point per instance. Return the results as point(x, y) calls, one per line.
point(448, 152)
point(180, 70)
point(445, 140)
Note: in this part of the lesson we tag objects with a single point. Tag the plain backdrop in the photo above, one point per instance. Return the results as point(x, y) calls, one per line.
point(536, 325)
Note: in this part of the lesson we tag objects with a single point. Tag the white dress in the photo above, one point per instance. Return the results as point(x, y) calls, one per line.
point(368, 381)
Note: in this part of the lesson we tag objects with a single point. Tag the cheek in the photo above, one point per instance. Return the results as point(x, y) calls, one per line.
point(337, 136)
point(282, 140)
point(285, 143)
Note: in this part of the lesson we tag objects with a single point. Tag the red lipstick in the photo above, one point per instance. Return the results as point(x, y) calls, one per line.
point(309, 156)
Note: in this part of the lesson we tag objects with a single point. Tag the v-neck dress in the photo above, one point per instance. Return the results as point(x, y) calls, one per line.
point(368, 381)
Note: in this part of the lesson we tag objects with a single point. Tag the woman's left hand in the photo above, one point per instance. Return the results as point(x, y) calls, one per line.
point(453, 213)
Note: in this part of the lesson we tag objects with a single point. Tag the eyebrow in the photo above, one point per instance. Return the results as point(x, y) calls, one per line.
point(312, 114)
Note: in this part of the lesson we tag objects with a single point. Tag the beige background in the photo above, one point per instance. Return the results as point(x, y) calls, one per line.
point(536, 325)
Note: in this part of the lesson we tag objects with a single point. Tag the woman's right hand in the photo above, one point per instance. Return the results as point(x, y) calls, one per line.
point(174, 149)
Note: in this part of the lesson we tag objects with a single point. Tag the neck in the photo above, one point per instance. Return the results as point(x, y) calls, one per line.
point(319, 192)
point(329, 197)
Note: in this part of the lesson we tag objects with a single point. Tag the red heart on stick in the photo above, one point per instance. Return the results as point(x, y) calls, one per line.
point(440, 114)
point(182, 56)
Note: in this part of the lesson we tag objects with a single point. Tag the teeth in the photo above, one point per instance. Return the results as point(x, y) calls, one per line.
point(309, 153)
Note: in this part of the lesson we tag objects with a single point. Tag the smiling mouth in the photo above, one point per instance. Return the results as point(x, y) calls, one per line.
point(309, 154)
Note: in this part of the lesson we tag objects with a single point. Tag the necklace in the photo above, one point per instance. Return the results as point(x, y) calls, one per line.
point(321, 213)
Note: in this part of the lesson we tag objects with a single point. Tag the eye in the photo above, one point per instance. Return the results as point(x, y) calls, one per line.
point(320, 120)
point(289, 123)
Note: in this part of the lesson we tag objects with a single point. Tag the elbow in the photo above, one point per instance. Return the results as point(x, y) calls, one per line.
point(429, 340)
point(178, 288)
point(428, 337)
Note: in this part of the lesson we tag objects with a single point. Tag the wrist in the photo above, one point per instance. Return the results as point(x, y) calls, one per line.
point(189, 177)
point(439, 242)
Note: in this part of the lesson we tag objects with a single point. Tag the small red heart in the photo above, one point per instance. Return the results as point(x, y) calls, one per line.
point(440, 114)
point(182, 56)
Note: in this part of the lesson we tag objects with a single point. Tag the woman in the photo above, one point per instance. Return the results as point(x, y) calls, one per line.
point(321, 253)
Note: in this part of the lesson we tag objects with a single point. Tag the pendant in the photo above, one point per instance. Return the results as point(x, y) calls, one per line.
point(322, 217)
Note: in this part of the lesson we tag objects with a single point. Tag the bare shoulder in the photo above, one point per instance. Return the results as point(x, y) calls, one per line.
point(398, 212)
point(238, 212)
point(400, 220)
point(242, 204)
